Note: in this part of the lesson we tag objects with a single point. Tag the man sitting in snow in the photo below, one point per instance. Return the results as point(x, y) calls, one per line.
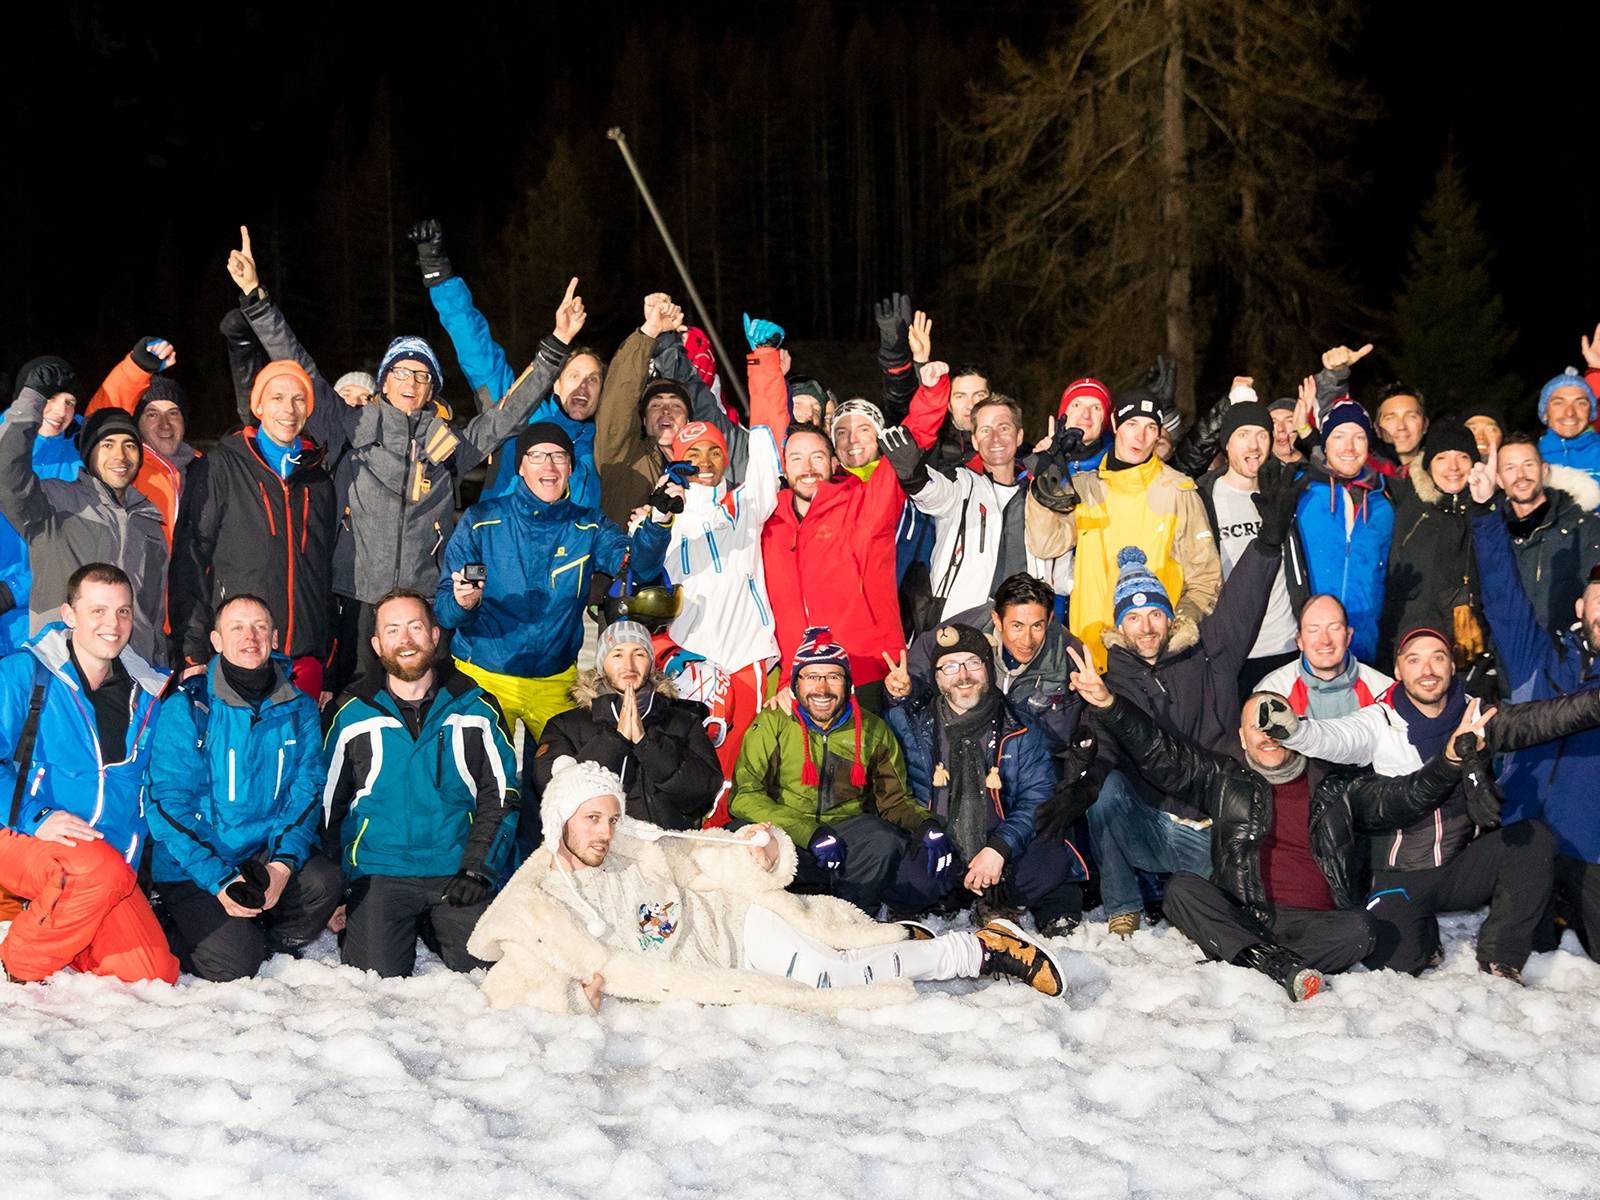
point(1284, 892)
point(611, 906)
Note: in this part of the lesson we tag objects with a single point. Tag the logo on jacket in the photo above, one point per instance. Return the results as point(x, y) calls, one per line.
point(561, 552)
point(656, 925)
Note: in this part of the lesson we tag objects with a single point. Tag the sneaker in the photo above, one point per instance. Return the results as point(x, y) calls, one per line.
point(1007, 951)
point(916, 931)
point(1501, 971)
point(1285, 967)
point(1061, 926)
point(1124, 925)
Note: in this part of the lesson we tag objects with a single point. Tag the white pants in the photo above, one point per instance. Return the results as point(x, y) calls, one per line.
point(774, 947)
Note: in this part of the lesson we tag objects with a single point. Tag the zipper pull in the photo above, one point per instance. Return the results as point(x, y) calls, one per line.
point(983, 524)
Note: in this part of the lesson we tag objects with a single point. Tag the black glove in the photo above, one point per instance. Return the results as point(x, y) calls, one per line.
point(142, 358)
point(1052, 483)
point(1477, 781)
point(893, 315)
point(1161, 380)
point(49, 376)
point(466, 889)
point(1277, 502)
point(1275, 718)
point(250, 889)
point(1075, 794)
point(904, 457)
point(428, 237)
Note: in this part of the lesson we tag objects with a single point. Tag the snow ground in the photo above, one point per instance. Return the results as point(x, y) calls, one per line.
point(1155, 1077)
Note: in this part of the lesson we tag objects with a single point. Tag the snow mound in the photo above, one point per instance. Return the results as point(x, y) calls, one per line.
point(1156, 1076)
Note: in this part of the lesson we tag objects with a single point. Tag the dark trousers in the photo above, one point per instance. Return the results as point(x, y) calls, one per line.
point(1040, 880)
point(873, 850)
point(215, 946)
point(1224, 928)
point(1510, 870)
point(1577, 898)
point(385, 914)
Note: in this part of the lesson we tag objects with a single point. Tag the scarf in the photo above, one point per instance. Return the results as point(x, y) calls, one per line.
point(282, 459)
point(1428, 734)
point(1291, 769)
point(970, 776)
point(254, 684)
point(1329, 698)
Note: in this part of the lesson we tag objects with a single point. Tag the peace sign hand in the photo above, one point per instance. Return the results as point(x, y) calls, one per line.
point(898, 681)
point(1471, 727)
point(1086, 679)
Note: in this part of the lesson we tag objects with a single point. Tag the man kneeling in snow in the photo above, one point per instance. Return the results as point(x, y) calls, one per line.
point(610, 906)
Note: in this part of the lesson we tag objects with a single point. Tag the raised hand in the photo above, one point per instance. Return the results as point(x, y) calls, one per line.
point(1591, 349)
point(893, 316)
point(1161, 380)
point(898, 681)
point(1305, 405)
point(1342, 357)
point(242, 264)
point(1275, 718)
point(920, 337)
point(759, 332)
point(655, 305)
point(428, 237)
point(1484, 478)
point(1471, 727)
point(570, 316)
point(1086, 680)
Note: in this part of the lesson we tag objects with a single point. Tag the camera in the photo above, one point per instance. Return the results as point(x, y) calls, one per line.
point(474, 573)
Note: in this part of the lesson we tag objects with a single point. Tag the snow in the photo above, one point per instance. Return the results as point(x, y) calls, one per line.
point(1156, 1076)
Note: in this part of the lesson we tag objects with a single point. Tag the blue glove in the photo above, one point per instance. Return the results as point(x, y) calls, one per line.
point(827, 848)
point(762, 332)
point(937, 848)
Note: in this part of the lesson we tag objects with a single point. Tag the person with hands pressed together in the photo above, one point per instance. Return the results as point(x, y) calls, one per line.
point(420, 804)
point(611, 906)
point(78, 710)
point(627, 718)
point(236, 776)
point(1284, 892)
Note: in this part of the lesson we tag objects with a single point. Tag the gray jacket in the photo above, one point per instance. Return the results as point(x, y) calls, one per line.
point(400, 471)
point(68, 524)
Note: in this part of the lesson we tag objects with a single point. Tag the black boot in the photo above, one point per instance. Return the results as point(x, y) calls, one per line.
point(1286, 967)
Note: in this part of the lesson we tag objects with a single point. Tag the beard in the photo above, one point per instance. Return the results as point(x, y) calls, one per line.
point(407, 672)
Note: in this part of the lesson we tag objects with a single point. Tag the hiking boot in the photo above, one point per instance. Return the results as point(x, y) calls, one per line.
point(1284, 966)
point(990, 908)
point(1502, 971)
point(1007, 951)
point(1124, 925)
point(916, 931)
point(1061, 926)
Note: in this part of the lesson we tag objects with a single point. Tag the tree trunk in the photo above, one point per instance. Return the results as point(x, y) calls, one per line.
point(1175, 210)
point(1251, 318)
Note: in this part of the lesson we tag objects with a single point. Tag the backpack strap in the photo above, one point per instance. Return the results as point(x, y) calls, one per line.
point(22, 757)
point(199, 697)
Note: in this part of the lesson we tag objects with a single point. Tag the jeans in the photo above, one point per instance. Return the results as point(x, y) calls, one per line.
point(1130, 836)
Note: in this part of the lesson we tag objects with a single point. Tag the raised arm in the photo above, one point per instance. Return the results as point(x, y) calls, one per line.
point(129, 378)
point(22, 497)
point(482, 360)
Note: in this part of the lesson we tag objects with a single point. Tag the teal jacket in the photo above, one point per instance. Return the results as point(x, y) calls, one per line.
point(230, 781)
point(434, 803)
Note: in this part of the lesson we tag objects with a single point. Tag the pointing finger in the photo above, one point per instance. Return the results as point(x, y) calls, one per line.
point(572, 287)
point(244, 240)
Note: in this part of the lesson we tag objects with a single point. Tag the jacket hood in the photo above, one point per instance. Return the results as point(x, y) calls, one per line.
point(50, 647)
point(1579, 485)
point(586, 687)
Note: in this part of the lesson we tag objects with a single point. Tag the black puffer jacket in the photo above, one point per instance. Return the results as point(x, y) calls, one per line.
point(1192, 688)
point(672, 776)
point(1432, 568)
point(1344, 805)
point(242, 528)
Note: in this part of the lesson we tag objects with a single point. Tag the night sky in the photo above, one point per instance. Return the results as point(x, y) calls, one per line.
point(138, 141)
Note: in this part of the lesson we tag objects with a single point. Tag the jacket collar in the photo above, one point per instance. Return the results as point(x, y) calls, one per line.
point(50, 647)
point(283, 688)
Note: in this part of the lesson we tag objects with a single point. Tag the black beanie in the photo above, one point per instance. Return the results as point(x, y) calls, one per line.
point(1246, 412)
point(162, 388)
point(1449, 434)
point(664, 387)
point(1135, 403)
point(963, 639)
point(540, 432)
point(104, 423)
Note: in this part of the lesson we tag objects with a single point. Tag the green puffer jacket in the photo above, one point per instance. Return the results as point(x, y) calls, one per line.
point(767, 786)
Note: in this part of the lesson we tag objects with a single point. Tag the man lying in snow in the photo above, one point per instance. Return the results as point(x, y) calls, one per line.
point(611, 906)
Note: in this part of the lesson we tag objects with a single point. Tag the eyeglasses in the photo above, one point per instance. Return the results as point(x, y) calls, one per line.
point(556, 458)
point(822, 676)
point(408, 374)
point(972, 666)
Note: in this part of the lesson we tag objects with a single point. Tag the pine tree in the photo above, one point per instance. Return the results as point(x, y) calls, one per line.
point(1449, 321)
point(1155, 181)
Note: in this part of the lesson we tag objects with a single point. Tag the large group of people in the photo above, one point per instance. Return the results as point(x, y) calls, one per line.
point(1295, 679)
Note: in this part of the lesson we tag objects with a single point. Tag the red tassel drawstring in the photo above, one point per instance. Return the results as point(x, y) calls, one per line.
point(808, 770)
point(858, 769)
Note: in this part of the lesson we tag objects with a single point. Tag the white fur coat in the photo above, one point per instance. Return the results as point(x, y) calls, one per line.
point(541, 949)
